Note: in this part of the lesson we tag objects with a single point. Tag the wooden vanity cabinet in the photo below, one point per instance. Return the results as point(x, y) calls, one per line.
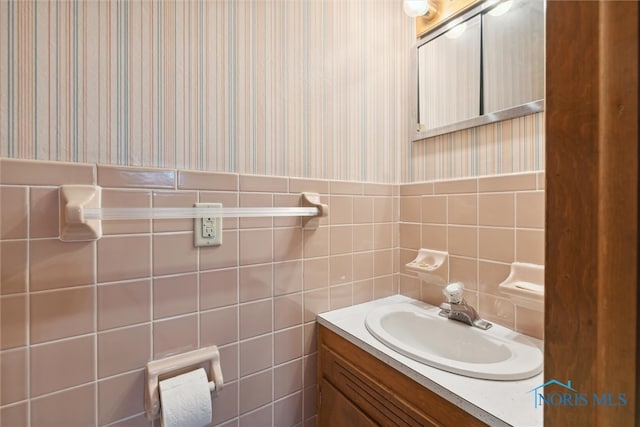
point(356, 389)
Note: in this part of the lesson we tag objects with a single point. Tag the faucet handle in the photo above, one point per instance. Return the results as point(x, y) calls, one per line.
point(453, 292)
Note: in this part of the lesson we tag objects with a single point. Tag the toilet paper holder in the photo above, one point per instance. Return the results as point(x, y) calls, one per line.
point(176, 365)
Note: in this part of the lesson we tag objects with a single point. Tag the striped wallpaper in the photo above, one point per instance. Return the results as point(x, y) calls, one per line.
point(293, 88)
point(510, 146)
point(305, 88)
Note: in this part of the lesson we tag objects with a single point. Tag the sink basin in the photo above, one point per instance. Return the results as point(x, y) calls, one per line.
point(416, 330)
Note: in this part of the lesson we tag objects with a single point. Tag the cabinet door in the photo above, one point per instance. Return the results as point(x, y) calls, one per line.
point(449, 76)
point(513, 54)
point(336, 410)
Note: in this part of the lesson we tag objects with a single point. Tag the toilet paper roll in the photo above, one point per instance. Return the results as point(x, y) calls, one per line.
point(185, 400)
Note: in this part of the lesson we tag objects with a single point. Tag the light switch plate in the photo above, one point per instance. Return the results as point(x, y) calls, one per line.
point(207, 231)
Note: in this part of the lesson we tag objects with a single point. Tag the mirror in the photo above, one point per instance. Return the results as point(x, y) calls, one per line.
point(450, 68)
point(484, 66)
point(513, 54)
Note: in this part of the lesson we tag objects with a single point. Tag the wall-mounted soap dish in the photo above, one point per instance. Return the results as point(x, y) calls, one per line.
point(525, 285)
point(431, 266)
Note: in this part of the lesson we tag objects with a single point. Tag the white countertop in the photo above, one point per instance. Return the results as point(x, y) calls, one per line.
point(497, 403)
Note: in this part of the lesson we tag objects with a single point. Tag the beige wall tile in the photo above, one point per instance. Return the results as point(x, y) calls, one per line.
point(225, 255)
point(341, 210)
point(363, 265)
point(410, 236)
point(383, 235)
point(287, 311)
point(496, 244)
point(287, 344)
point(62, 364)
point(434, 209)
point(13, 212)
point(287, 201)
point(346, 187)
point(176, 335)
point(13, 260)
point(315, 302)
point(340, 239)
point(255, 391)
point(340, 269)
point(287, 277)
point(456, 186)
point(134, 177)
point(13, 321)
point(530, 209)
point(61, 314)
point(112, 198)
point(464, 270)
point(362, 291)
point(309, 406)
point(256, 318)
point(498, 310)
point(287, 379)
point(196, 180)
point(310, 338)
point(74, 407)
point(256, 282)
point(383, 287)
point(363, 237)
point(256, 355)
point(13, 369)
point(382, 263)
point(119, 397)
point(299, 185)
point(382, 209)
point(56, 264)
point(253, 200)
point(218, 288)
point(316, 242)
point(411, 209)
point(122, 304)
point(491, 274)
point(287, 244)
point(15, 415)
point(340, 296)
point(173, 199)
point(174, 253)
point(288, 411)
point(541, 180)
point(362, 210)
point(269, 184)
point(462, 209)
point(38, 172)
point(372, 189)
point(256, 246)
point(175, 295)
point(112, 357)
point(309, 370)
point(225, 405)
point(136, 421)
point(417, 189)
point(496, 209)
point(516, 182)
point(210, 331)
point(315, 273)
point(44, 218)
point(530, 246)
point(229, 362)
point(530, 322)
point(433, 237)
point(123, 257)
point(462, 241)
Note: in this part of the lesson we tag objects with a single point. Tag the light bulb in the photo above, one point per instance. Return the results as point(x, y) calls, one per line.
point(415, 8)
point(501, 9)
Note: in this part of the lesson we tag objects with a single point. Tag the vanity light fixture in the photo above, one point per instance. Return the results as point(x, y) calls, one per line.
point(415, 8)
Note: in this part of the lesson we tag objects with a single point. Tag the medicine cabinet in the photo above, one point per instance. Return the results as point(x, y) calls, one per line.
point(483, 66)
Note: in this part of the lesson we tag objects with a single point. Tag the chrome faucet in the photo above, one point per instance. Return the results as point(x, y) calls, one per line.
point(456, 308)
